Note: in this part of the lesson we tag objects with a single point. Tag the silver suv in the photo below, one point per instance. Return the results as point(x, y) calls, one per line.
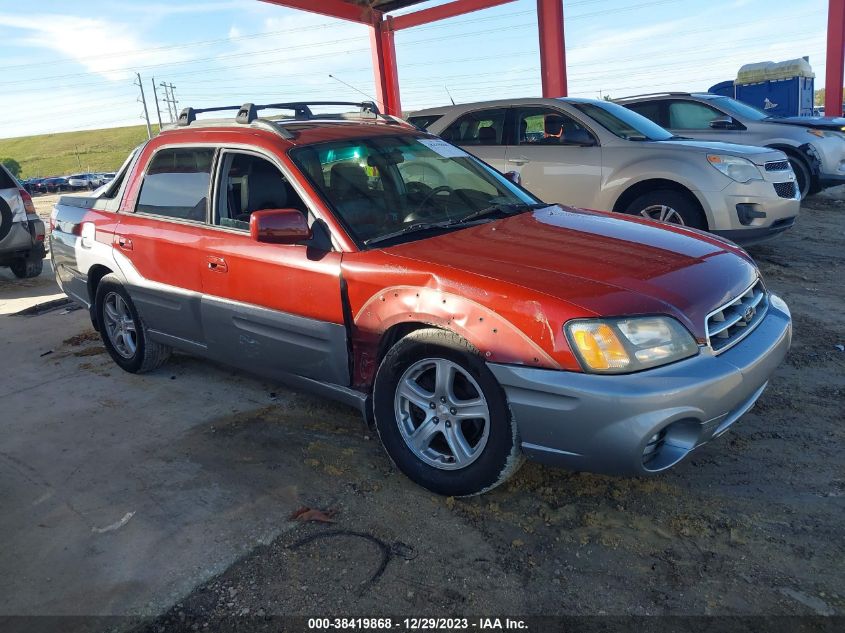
point(817, 156)
point(599, 155)
point(21, 230)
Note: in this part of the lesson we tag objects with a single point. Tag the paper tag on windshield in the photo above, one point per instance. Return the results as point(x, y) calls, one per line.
point(443, 148)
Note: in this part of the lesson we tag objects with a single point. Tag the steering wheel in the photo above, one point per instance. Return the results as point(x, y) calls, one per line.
point(417, 213)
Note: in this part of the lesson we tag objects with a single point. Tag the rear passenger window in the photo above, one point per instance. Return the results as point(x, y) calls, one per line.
point(176, 184)
point(6, 180)
point(485, 127)
point(650, 110)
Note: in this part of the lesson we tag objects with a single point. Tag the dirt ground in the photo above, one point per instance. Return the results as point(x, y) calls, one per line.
point(751, 524)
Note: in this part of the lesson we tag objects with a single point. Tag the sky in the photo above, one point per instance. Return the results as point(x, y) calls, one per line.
point(68, 66)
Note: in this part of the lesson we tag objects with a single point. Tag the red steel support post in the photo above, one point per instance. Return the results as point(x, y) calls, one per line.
point(552, 52)
point(384, 67)
point(835, 58)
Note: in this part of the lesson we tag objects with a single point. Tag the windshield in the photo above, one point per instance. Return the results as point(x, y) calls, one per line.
point(623, 122)
point(739, 109)
point(386, 186)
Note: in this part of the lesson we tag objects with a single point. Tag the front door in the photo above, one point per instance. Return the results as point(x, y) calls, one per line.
point(270, 308)
point(557, 157)
point(157, 243)
point(693, 119)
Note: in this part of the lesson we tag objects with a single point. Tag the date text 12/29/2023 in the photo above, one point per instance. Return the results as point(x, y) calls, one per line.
point(416, 624)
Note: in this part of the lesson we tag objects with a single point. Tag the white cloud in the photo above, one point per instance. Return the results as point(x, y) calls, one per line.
point(101, 46)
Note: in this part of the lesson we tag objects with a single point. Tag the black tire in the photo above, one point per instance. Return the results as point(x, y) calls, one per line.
point(28, 267)
point(5, 218)
point(803, 176)
point(686, 208)
point(148, 354)
point(498, 459)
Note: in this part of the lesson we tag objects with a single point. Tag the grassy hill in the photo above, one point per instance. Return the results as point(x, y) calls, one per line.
point(73, 152)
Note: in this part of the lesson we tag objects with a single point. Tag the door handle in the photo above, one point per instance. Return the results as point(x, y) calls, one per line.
point(124, 243)
point(519, 160)
point(217, 264)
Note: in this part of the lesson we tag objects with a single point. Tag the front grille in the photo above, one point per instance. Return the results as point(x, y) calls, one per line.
point(777, 165)
point(736, 319)
point(785, 189)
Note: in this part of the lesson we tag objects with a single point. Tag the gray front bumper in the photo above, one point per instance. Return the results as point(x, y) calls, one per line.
point(603, 423)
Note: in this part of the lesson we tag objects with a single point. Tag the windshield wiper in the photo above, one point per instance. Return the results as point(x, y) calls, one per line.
point(504, 209)
point(411, 228)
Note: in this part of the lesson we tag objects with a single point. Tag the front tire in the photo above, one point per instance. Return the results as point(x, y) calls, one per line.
point(443, 417)
point(803, 177)
point(123, 331)
point(669, 205)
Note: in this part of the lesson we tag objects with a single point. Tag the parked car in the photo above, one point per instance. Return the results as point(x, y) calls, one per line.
point(382, 266)
point(55, 184)
point(598, 155)
point(817, 155)
point(83, 181)
point(21, 230)
point(31, 184)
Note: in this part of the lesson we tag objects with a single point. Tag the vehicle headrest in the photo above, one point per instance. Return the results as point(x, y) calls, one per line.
point(348, 179)
point(553, 125)
point(266, 188)
point(487, 133)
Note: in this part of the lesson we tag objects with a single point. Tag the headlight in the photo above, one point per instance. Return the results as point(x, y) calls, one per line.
point(735, 168)
point(826, 133)
point(617, 346)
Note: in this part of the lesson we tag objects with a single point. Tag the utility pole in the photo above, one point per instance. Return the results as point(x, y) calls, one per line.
point(155, 94)
point(170, 100)
point(144, 101)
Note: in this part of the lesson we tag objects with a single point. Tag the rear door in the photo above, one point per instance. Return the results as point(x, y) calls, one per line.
point(271, 308)
point(158, 243)
point(481, 133)
point(551, 151)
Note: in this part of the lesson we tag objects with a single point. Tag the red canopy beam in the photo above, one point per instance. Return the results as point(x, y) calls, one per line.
point(835, 58)
point(333, 9)
point(385, 71)
point(450, 10)
point(552, 55)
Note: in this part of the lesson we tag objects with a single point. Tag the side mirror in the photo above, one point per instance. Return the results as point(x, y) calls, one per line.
point(723, 123)
point(279, 226)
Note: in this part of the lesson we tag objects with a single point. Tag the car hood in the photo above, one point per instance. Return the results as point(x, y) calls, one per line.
point(598, 262)
point(757, 155)
point(816, 122)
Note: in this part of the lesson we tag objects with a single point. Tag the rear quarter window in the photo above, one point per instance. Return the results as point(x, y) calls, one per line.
point(176, 184)
point(6, 179)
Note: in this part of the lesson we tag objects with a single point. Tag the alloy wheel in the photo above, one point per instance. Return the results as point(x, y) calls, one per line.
point(442, 414)
point(662, 213)
point(120, 326)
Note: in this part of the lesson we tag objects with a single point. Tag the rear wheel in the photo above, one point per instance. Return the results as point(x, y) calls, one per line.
point(442, 416)
point(28, 267)
point(668, 205)
point(123, 331)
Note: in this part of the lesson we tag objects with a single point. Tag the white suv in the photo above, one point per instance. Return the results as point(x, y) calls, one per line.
point(599, 155)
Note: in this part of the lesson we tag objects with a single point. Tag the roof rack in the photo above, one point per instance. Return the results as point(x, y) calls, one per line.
point(248, 112)
point(655, 94)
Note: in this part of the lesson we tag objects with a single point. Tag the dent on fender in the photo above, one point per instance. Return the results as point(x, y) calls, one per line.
point(497, 339)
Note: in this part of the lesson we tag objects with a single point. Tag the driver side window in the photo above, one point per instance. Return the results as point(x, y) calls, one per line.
point(688, 115)
point(251, 183)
